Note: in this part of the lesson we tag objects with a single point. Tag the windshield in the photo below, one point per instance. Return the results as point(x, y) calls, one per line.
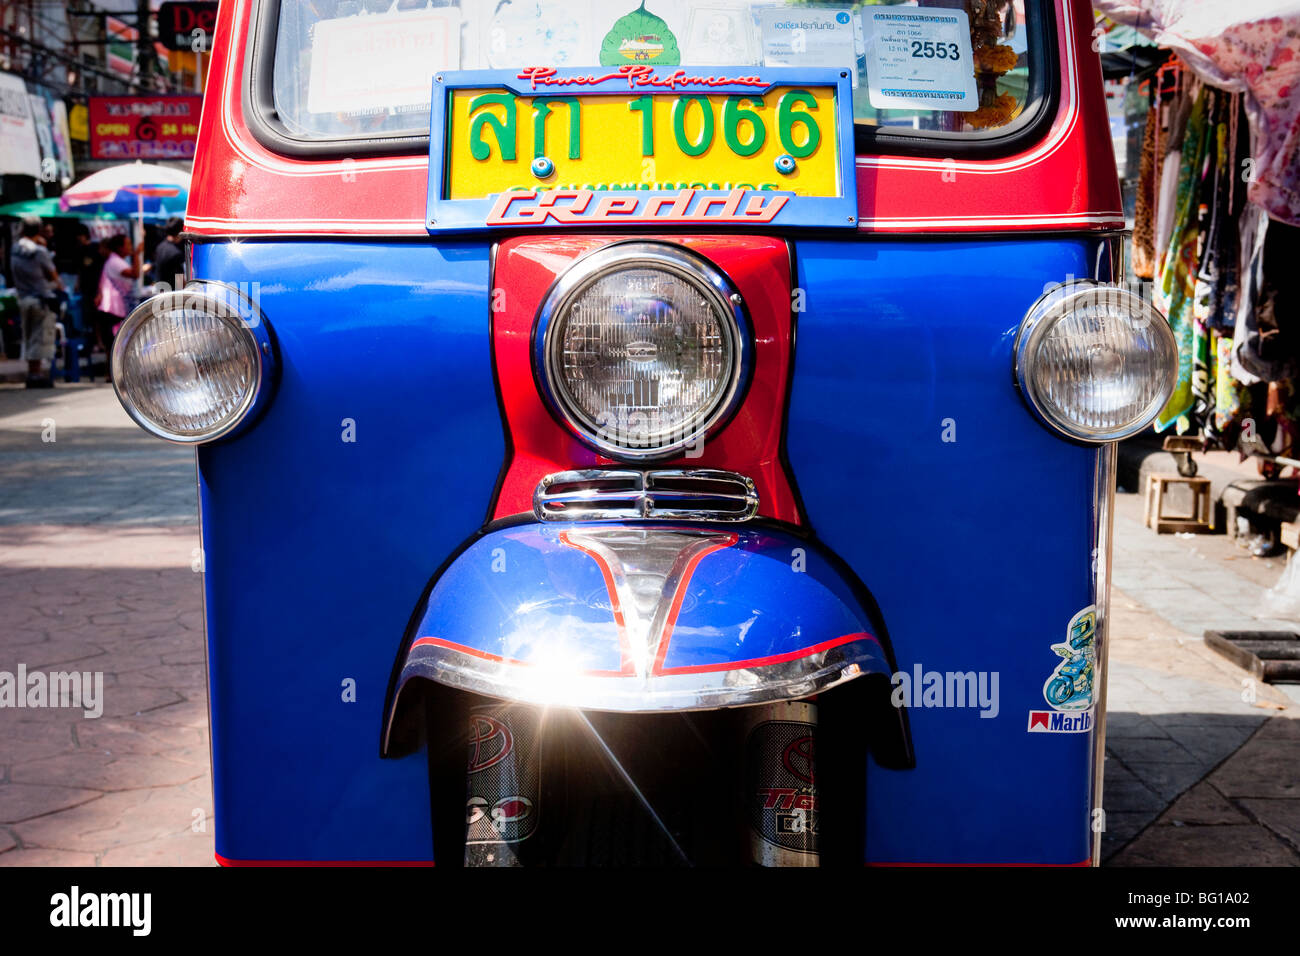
point(363, 68)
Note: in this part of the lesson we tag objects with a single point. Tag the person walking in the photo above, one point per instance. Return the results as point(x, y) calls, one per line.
point(168, 257)
point(115, 285)
point(38, 285)
point(90, 265)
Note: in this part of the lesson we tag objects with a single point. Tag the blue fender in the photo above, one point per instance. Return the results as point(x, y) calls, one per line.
point(642, 617)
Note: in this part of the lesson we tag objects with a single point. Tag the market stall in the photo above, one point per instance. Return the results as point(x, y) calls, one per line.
point(1211, 105)
point(1218, 209)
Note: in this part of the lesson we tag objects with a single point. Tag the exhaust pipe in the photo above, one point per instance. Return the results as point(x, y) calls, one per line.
point(503, 806)
point(780, 783)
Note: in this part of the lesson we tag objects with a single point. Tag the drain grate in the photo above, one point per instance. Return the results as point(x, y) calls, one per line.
point(1272, 656)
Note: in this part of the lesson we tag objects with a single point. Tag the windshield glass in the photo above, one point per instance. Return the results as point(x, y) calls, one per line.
point(349, 68)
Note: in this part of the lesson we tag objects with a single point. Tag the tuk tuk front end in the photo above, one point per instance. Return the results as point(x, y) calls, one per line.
point(727, 465)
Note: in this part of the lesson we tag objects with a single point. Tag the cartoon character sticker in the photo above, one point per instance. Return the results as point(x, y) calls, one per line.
point(640, 37)
point(1070, 686)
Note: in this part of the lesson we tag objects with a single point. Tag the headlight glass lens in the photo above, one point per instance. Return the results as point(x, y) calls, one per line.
point(642, 358)
point(1098, 362)
point(186, 368)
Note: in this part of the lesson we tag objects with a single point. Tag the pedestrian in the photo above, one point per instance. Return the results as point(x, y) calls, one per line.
point(90, 265)
point(115, 290)
point(38, 285)
point(168, 257)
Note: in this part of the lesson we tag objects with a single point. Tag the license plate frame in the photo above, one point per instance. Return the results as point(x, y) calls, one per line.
point(551, 208)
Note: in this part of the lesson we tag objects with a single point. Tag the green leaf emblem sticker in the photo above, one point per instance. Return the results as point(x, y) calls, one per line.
point(640, 37)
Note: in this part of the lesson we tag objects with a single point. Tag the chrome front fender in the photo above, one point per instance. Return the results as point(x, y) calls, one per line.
point(641, 617)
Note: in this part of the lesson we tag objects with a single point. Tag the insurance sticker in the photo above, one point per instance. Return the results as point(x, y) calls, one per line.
point(800, 36)
point(919, 59)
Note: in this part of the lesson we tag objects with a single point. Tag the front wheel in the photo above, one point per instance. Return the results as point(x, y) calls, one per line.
point(1060, 690)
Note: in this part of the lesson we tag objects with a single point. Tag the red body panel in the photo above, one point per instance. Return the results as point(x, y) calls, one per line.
point(750, 443)
point(1065, 181)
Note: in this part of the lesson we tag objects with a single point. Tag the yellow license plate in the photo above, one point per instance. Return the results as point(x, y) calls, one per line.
point(784, 139)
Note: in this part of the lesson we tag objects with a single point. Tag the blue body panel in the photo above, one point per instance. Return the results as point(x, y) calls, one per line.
point(978, 549)
point(316, 548)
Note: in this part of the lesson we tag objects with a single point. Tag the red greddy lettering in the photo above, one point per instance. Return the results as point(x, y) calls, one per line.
point(567, 206)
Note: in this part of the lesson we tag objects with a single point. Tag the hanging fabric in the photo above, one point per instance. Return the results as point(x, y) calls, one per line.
point(1176, 285)
point(1247, 47)
point(1144, 251)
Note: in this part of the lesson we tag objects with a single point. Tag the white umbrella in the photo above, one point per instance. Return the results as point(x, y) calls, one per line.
point(119, 188)
point(126, 183)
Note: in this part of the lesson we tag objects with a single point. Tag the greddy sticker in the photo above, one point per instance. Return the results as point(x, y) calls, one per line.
point(919, 59)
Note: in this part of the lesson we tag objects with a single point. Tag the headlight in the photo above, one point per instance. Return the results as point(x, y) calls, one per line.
point(641, 348)
point(1096, 363)
point(190, 366)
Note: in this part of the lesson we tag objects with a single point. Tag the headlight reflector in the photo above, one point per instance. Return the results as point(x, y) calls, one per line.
point(1096, 362)
point(641, 349)
point(189, 365)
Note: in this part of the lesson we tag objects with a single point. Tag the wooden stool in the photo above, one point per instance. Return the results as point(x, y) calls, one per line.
point(1200, 521)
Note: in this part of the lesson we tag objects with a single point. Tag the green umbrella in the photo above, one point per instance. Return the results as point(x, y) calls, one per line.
point(49, 208)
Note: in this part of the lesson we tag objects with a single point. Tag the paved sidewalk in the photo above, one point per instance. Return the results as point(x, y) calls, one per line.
point(1203, 763)
point(97, 535)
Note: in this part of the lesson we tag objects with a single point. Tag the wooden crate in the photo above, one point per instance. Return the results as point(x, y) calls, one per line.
point(1200, 521)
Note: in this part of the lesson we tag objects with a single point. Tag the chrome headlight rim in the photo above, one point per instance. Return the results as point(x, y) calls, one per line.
point(686, 265)
point(1053, 306)
point(235, 310)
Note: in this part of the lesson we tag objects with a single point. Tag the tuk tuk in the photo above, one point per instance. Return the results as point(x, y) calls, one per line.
point(677, 434)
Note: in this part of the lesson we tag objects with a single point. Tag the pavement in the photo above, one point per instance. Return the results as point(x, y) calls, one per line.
point(98, 533)
point(1202, 761)
point(98, 550)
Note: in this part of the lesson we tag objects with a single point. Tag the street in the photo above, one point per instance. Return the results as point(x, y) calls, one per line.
point(98, 572)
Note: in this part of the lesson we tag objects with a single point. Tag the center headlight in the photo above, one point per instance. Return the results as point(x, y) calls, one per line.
point(641, 349)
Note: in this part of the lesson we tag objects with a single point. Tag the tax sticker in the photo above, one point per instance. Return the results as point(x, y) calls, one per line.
point(919, 59)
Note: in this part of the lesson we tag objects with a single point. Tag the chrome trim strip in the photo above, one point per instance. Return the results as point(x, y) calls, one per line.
point(1104, 515)
point(710, 690)
point(626, 495)
point(692, 268)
